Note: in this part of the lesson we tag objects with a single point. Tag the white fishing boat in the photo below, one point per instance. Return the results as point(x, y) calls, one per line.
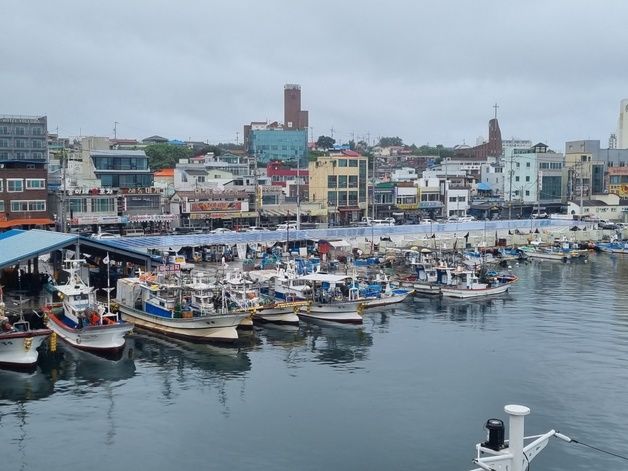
point(18, 342)
point(288, 285)
point(329, 303)
point(380, 293)
point(161, 307)
point(262, 308)
point(465, 284)
point(539, 252)
point(80, 320)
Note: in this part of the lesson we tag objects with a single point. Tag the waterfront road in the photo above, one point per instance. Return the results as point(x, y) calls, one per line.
point(165, 242)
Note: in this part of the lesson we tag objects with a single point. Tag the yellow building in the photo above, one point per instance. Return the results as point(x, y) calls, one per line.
point(340, 181)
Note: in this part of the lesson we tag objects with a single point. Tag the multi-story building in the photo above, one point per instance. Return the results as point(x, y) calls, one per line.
point(288, 178)
point(23, 174)
point(276, 143)
point(534, 175)
point(340, 182)
point(622, 125)
point(293, 116)
point(618, 181)
point(122, 168)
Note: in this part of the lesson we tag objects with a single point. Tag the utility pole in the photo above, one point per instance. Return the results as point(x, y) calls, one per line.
point(298, 193)
point(511, 171)
point(63, 190)
point(373, 212)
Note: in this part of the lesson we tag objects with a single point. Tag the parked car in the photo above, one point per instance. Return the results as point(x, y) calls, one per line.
point(221, 230)
point(105, 235)
point(289, 226)
point(607, 225)
point(539, 215)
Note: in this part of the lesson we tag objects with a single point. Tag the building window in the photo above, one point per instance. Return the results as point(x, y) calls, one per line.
point(78, 205)
point(342, 162)
point(102, 205)
point(2, 206)
point(528, 164)
point(516, 179)
point(353, 163)
point(1, 185)
point(15, 185)
point(453, 199)
point(332, 199)
point(20, 143)
point(332, 181)
point(25, 206)
point(353, 198)
point(342, 198)
point(353, 181)
point(35, 184)
point(527, 192)
point(342, 181)
point(19, 131)
point(518, 165)
point(527, 178)
point(4, 143)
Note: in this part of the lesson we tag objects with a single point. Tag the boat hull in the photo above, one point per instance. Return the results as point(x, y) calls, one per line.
point(548, 256)
point(344, 312)
point(285, 316)
point(218, 328)
point(386, 300)
point(427, 288)
point(100, 338)
point(461, 293)
point(19, 349)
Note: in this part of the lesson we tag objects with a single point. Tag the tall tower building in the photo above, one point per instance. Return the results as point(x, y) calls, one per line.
point(622, 125)
point(293, 116)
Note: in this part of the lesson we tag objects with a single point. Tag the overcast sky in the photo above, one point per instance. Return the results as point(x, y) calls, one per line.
point(427, 71)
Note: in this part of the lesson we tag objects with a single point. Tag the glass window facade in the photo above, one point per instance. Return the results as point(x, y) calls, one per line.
point(551, 188)
point(103, 205)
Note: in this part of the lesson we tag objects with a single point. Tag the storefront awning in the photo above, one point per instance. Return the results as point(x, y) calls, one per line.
point(26, 222)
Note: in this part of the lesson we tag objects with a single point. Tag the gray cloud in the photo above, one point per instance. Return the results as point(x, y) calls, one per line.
point(427, 71)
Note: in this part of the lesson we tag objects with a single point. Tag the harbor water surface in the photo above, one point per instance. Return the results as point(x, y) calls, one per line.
point(410, 389)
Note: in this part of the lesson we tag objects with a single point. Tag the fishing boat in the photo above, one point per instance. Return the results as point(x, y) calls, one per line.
point(462, 283)
point(160, 306)
point(546, 253)
point(18, 342)
point(620, 247)
point(330, 302)
point(263, 308)
point(379, 292)
point(80, 320)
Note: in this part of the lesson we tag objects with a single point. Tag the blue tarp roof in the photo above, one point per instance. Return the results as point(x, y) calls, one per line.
point(20, 245)
point(483, 187)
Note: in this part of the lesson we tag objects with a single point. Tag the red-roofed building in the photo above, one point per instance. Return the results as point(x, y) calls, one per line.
point(286, 177)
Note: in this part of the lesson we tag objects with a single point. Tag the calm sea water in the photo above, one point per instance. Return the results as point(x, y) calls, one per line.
point(410, 389)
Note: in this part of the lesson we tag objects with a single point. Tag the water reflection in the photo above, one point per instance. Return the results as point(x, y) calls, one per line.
point(180, 366)
point(476, 313)
point(19, 386)
point(338, 345)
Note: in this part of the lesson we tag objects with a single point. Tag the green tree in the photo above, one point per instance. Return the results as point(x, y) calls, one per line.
point(166, 155)
point(390, 141)
point(325, 142)
point(208, 148)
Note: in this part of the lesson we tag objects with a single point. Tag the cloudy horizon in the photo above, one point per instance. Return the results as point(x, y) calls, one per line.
point(426, 72)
